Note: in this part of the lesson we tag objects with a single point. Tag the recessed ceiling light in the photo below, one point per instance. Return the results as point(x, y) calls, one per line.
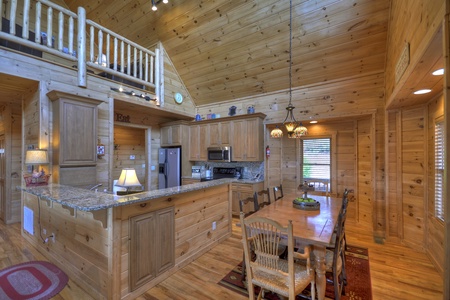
point(438, 72)
point(313, 122)
point(420, 92)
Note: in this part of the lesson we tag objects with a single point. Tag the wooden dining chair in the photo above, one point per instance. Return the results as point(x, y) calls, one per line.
point(263, 194)
point(277, 192)
point(335, 258)
point(244, 207)
point(268, 271)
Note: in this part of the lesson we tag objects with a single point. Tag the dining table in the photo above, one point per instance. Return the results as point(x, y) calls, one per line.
point(310, 227)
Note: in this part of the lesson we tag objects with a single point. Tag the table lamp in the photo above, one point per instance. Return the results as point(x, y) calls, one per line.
point(128, 179)
point(36, 157)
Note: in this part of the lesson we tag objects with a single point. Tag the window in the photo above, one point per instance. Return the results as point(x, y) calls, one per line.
point(439, 170)
point(316, 160)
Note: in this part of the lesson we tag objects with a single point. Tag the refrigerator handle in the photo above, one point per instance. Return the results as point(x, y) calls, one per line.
point(165, 169)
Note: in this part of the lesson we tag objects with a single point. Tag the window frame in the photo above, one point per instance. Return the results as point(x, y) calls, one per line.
point(439, 203)
point(332, 138)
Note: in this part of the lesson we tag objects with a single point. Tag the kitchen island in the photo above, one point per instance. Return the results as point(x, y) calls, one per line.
point(118, 247)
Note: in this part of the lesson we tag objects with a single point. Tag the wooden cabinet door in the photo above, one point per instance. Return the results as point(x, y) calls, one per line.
point(254, 140)
point(204, 142)
point(225, 133)
point(194, 142)
point(171, 135)
point(219, 134)
point(198, 142)
point(74, 129)
point(239, 141)
point(165, 239)
point(152, 245)
point(248, 140)
point(143, 257)
point(166, 136)
point(214, 135)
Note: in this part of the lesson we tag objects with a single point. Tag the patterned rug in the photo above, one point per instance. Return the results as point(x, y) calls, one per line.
point(34, 280)
point(358, 279)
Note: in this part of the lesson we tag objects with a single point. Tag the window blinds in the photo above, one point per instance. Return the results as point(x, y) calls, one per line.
point(439, 170)
point(316, 158)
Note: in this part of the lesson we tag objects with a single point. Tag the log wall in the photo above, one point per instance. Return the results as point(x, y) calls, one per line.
point(434, 230)
point(356, 119)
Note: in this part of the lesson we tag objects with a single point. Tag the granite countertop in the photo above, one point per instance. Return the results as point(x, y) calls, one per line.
point(86, 200)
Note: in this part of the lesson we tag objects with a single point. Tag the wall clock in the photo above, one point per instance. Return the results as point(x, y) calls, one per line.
point(178, 98)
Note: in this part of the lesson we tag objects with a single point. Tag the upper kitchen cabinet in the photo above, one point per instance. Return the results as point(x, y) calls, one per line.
point(248, 138)
point(74, 129)
point(173, 134)
point(198, 142)
point(219, 134)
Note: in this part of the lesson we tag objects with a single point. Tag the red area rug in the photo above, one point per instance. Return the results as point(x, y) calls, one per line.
point(34, 280)
point(358, 279)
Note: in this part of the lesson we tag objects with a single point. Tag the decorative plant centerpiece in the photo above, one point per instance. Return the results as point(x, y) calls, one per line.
point(306, 203)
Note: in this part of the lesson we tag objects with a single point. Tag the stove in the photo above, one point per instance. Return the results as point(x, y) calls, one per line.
point(224, 172)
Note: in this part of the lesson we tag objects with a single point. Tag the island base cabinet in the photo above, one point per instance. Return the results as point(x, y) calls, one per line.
point(151, 246)
point(242, 191)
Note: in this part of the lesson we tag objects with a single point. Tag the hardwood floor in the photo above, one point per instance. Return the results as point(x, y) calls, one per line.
point(397, 272)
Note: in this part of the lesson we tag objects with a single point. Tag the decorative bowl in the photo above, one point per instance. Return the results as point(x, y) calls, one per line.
point(306, 204)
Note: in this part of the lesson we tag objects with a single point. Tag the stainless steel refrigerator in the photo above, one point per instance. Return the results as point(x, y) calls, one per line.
point(169, 160)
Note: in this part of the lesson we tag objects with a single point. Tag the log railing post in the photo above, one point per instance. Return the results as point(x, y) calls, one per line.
point(81, 46)
point(157, 73)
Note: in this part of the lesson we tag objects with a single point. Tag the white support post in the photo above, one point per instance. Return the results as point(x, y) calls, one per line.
point(60, 30)
point(157, 83)
point(122, 56)
point(91, 44)
point(116, 58)
point(81, 47)
point(37, 27)
point(71, 29)
point(26, 19)
point(100, 48)
point(128, 59)
point(49, 27)
point(12, 17)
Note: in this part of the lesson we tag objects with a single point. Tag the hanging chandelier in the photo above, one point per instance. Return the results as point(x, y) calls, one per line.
point(155, 2)
point(294, 129)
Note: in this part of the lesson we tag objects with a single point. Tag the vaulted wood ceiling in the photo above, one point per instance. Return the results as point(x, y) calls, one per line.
point(226, 49)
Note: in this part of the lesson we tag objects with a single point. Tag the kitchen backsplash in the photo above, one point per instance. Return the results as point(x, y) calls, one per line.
point(252, 168)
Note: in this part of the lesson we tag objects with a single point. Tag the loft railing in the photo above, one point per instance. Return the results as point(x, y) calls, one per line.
point(55, 28)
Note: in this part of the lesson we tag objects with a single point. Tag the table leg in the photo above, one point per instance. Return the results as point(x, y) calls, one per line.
point(320, 268)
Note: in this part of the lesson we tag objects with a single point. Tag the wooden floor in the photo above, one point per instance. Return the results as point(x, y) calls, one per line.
point(397, 272)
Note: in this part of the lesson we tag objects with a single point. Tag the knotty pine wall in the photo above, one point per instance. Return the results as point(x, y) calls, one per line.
point(405, 27)
point(355, 106)
point(11, 130)
point(409, 135)
point(129, 141)
point(434, 228)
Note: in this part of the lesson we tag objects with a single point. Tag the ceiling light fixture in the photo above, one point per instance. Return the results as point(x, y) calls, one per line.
point(294, 128)
point(156, 2)
point(438, 72)
point(421, 92)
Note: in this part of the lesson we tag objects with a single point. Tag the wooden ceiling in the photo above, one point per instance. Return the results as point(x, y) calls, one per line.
point(226, 50)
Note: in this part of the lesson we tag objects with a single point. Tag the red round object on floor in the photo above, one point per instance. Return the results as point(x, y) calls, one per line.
point(32, 280)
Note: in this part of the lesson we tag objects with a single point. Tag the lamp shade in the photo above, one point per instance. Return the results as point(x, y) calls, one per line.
point(36, 157)
point(128, 178)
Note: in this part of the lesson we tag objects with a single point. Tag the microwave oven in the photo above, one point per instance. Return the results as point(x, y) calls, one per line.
point(219, 154)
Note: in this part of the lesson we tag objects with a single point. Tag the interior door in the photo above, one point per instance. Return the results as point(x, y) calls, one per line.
point(2, 177)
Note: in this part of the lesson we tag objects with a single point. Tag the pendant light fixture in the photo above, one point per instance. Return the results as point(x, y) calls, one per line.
point(294, 128)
